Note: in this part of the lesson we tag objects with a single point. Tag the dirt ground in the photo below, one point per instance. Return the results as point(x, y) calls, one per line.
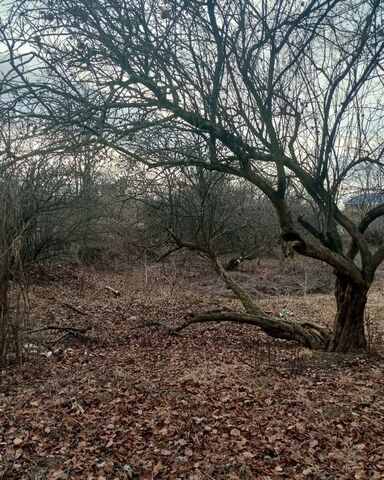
point(215, 402)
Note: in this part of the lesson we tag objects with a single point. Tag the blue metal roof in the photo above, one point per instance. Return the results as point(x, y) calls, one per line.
point(364, 198)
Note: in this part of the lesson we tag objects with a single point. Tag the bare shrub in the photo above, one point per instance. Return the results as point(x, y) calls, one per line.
point(375, 337)
point(304, 276)
point(291, 277)
point(13, 293)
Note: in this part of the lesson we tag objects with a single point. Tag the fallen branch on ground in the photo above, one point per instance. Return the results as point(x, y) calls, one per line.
point(61, 328)
point(74, 308)
point(84, 338)
point(76, 332)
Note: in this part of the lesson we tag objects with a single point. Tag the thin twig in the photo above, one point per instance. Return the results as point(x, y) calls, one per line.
point(74, 308)
point(245, 363)
point(206, 474)
point(169, 252)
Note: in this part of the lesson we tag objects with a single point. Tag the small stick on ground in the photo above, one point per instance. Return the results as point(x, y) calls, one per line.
point(74, 308)
point(110, 289)
point(206, 474)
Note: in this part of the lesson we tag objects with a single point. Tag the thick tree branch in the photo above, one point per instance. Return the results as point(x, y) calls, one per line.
point(307, 334)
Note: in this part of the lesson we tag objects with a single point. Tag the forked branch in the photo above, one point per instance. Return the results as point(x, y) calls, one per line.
point(308, 334)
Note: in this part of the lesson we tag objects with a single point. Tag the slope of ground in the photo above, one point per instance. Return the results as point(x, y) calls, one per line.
point(216, 402)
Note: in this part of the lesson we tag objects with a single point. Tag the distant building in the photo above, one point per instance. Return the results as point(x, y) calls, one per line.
point(363, 202)
point(356, 207)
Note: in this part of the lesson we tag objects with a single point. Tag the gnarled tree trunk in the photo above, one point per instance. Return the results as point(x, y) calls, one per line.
point(348, 330)
point(348, 333)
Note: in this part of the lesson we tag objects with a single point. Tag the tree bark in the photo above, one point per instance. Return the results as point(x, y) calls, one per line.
point(348, 330)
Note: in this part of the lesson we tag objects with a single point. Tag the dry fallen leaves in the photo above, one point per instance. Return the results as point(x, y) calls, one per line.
point(145, 405)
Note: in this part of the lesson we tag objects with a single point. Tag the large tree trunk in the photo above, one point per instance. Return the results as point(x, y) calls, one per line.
point(348, 330)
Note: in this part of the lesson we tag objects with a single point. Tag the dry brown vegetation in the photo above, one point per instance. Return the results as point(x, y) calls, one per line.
point(215, 402)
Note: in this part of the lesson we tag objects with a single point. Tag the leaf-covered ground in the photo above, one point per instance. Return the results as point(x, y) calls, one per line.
point(215, 402)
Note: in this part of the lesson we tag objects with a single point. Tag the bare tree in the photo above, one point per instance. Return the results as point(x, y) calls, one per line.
point(275, 92)
point(208, 209)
